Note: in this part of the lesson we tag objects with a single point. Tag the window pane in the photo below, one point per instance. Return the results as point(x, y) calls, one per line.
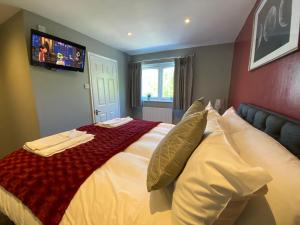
point(150, 82)
point(168, 82)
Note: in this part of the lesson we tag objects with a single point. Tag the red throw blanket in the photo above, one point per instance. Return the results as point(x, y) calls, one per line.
point(47, 185)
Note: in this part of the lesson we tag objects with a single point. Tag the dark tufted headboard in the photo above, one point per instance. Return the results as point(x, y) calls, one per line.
point(284, 130)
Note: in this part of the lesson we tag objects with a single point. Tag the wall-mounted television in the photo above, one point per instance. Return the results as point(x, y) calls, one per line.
point(53, 52)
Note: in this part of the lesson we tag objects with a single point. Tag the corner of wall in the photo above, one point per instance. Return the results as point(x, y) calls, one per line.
point(21, 120)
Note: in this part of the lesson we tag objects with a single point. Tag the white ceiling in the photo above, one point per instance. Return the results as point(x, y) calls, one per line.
point(156, 24)
point(6, 12)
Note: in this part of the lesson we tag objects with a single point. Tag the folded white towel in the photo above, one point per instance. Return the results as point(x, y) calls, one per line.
point(114, 122)
point(60, 147)
point(53, 140)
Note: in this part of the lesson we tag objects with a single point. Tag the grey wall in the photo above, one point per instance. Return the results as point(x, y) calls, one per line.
point(37, 102)
point(61, 100)
point(212, 69)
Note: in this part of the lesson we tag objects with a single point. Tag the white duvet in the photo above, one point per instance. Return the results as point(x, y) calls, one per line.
point(115, 194)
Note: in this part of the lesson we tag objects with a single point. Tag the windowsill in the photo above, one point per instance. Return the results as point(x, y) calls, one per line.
point(160, 101)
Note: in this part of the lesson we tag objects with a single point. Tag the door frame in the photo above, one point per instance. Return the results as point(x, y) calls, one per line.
point(90, 54)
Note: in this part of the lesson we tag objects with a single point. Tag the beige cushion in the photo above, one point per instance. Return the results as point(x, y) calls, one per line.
point(280, 206)
point(174, 150)
point(197, 106)
point(214, 175)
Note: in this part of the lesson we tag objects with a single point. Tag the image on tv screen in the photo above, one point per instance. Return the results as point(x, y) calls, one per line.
point(48, 51)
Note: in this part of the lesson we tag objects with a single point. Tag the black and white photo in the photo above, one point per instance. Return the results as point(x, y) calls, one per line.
point(275, 31)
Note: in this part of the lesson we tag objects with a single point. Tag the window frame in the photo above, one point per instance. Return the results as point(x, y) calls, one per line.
point(160, 67)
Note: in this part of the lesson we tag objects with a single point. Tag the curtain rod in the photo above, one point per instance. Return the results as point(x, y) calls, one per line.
point(164, 58)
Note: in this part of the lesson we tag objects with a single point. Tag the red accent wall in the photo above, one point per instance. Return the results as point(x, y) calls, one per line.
point(275, 86)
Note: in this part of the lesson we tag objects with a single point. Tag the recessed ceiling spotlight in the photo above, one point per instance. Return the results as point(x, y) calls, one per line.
point(187, 20)
point(129, 34)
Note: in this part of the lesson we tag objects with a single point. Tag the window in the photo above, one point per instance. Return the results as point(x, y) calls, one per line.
point(158, 81)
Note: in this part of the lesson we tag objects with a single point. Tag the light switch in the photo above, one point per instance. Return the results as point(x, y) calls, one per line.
point(86, 86)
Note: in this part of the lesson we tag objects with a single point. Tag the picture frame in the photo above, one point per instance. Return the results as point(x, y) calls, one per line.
point(275, 31)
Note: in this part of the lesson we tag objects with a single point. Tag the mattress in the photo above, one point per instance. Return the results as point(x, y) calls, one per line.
point(114, 194)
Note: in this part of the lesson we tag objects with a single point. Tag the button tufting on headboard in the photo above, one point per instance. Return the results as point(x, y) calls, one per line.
point(284, 130)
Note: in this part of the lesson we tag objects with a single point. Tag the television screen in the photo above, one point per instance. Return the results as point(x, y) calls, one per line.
point(54, 52)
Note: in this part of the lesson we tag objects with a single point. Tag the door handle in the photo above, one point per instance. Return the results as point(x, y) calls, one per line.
point(97, 112)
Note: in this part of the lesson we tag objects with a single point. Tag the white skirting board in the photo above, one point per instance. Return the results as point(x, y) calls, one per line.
point(158, 114)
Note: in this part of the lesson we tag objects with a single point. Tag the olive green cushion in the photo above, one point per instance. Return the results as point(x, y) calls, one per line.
point(172, 153)
point(197, 106)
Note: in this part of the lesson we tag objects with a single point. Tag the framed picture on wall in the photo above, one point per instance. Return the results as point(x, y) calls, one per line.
point(275, 31)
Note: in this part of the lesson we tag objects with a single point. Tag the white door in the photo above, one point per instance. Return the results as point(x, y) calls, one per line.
point(104, 87)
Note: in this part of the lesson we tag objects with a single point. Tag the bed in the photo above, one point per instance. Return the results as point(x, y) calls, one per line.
point(116, 189)
point(116, 193)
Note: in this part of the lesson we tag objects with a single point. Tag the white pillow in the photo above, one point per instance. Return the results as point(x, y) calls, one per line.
point(229, 111)
point(209, 106)
point(212, 119)
point(281, 204)
point(213, 176)
point(231, 122)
